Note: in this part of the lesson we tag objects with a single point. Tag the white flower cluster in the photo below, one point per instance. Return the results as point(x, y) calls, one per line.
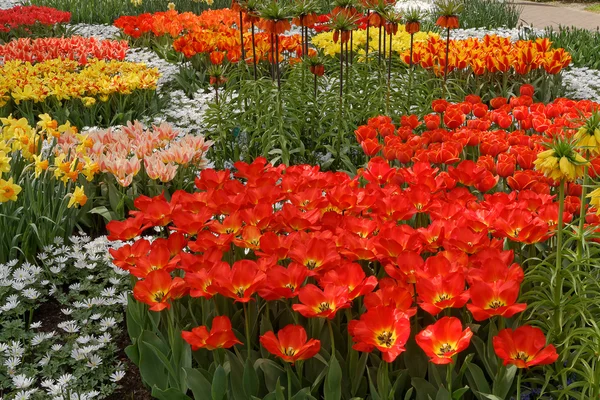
point(184, 113)
point(6, 4)
point(95, 30)
point(422, 5)
point(514, 34)
point(582, 83)
point(71, 351)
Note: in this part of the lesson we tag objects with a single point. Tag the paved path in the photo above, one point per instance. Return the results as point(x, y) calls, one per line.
point(541, 15)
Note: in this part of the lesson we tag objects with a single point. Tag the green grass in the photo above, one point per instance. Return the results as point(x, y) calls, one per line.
point(593, 8)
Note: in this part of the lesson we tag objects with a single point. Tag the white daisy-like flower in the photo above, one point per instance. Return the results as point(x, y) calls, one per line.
point(66, 311)
point(18, 285)
point(75, 287)
point(3, 348)
point(107, 323)
point(12, 362)
point(84, 339)
point(57, 269)
point(56, 347)
point(115, 280)
point(117, 376)
point(21, 274)
point(22, 381)
point(44, 360)
point(94, 361)
point(108, 292)
point(64, 379)
point(31, 293)
point(36, 325)
point(16, 349)
point(38, 338)
point(105, 338)
point(12, 263)
point(77, 354)
point(69, 326)
point(24, 394)
point(95, 317)
point(10, 303)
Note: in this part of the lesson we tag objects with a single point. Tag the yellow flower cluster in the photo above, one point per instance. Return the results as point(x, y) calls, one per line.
point(400, 42)
point(561, 162)
point(19, 140)
point(66, 79)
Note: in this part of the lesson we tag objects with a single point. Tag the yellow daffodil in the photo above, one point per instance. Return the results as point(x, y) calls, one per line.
point(78, 198)
point(8, 190)
point(4, 162)
point(90, 169)
point(46, 123)
point(40, 165)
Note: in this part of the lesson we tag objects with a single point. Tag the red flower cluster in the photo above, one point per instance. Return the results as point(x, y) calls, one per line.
point(30, 15)
point(428, 233)
point(73, 48)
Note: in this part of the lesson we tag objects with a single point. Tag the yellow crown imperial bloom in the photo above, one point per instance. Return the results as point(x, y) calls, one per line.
point(8, 190)
point(588, 136)
point(78, 198)
point(171, 6)
point(561, 161)
point(594, 197)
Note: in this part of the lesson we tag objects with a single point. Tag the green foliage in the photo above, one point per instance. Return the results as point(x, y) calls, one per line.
point(36, 30)
point(490, 14)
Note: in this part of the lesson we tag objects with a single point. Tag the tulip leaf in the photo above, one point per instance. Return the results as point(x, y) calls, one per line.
point(424, 389)
point(272, 372)
point(133, 353)
point(219, 384)
point(236, 376)
point(333, 381)
point(408, 394)
point(303, 394)
point(489, 396)
point(151, 366)
point(503, 385)
point(358, 372)
point(279, 392)
point(417, 367)
point(373, 391)
point(443, 394)
point(458, 394)
point(199, 385)
point(477, 380)
point(169, 394)
point(250, 379)
point(163, 359)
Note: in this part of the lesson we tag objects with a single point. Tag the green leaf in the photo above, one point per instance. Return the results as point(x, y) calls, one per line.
point(162, 357)
point(458, 394)
point(279, 391)
point(443, 394)
point(489, 396)
point(477, 380)
point(424, 389)
point(169, 394)
point(219, 384)
point(359, 372)
point(272, 372)
point(199, 385)
point(151, 366)
point(373, 391)
point(250, 379)
point(303, 394)
point(333, 381)
point(104, 213)
point(502, 386)
point(417, 367)
point(236, 376)
point(133, 353)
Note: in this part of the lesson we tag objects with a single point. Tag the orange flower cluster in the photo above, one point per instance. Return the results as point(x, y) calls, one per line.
point(490, 54)
point(73, 48)
point(173, 23)
point(228, 40)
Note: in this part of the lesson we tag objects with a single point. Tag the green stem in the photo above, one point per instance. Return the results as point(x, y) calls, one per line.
point(247, 329)
point(519, 384)
point(558, 276)
point(385, 390)
point(582, 212)
point(449, 377)
point(289, 379)
point(331, 338)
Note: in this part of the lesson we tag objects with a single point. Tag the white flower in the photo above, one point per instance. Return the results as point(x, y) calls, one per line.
point(11, 302)
point(38, 338)
point(76, 354)
point(3, 348)
point(12, 362)
point(118, 375)
point(67, 311)
point(104, 338)
point(95, 317)
point(106, 323)
point(36, 325)
point(17, 285)
point(24, 395)
point(56, 347)
point(21, 274)
point(108, 292)
point(77, 286)
point(69, 326)
point(94, 361)
point(84, 339)
point(22, 381)
point(45, 360)
point(16, 349)
point(31, 293)
point(57, 269)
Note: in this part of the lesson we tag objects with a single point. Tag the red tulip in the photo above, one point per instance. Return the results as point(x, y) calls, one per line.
point(499, 298)
point(158, 288)
point(524, 347)
point(442, 340)
point(321, 303)
point(221, 335)
point(290, 344)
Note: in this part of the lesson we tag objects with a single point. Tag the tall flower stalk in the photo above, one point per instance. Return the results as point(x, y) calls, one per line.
point(448, 19)
point(276, 17)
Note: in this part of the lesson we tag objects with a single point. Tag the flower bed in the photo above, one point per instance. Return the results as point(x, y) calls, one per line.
point(34, 21)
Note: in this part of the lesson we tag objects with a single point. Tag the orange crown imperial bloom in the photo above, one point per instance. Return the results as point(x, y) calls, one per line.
point(524, 347)
point(290, 344)
point(447, 21)
point(221, 335)
point(442, 340)
point(321, 303)
point(385, 328)
point(158, 288)
point(413, 27)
